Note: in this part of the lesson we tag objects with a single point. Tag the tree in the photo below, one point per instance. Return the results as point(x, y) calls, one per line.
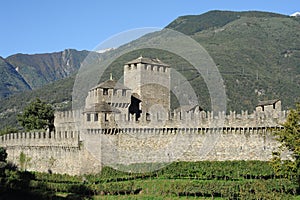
point(8, 129)
point(3, 163)
point(289, 138)
point(37, 115)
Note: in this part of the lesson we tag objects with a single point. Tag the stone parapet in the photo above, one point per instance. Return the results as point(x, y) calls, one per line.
point(41, 139)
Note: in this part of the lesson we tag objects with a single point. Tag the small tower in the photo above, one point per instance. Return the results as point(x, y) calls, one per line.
point(149, 79)
point(269, 106)
point(103, 102)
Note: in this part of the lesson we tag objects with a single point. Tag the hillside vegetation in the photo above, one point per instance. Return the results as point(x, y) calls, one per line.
point(257, 54)
point(11, 81)
point(192, 24)
point(23, 72)
point(59, 94)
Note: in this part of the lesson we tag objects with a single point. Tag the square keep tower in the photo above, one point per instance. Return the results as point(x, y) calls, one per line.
point(149, 79)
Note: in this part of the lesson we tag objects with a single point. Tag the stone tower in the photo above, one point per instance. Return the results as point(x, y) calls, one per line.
point(149, 80)
point(103, 102)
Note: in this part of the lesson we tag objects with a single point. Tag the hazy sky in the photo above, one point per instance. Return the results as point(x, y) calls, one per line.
point(39, 26)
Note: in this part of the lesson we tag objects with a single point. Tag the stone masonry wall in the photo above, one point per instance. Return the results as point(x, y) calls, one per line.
point(161, 146)
point(44, 152)
point(190, 137)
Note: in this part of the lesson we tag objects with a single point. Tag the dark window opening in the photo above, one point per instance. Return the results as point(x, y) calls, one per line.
point(105, 117)
point(105, 91)
point(115, 91)
point(172, 115)
point(88, 117)
point(134, 107)
point(274, 106)
point(148, 117)
point(263, 108)
point(123, 92)
point(96, 117)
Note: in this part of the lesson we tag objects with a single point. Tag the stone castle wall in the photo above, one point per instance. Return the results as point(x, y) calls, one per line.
point(136, 145)
point(59, 152)
point(184, 137)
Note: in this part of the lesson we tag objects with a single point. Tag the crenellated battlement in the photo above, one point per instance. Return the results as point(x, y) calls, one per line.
point(41, 139)
point(73, 120)
point(67, 120)
point(262, 130)
point(67, 116)
point(68, 126)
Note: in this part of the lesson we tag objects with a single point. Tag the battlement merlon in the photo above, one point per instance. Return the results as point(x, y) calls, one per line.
point(41, 139)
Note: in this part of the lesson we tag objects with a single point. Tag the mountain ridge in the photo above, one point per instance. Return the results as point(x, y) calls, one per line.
point(256, 53)
point(212, 19)
point(41, 69)
point(9, 76)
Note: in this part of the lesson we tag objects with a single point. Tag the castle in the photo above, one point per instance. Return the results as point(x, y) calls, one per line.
point(132, 122)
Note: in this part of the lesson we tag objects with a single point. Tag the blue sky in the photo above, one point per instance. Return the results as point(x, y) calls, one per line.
point(35, 26)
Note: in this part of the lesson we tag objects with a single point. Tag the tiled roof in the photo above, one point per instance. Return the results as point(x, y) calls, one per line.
point(102, 107)
point(268, 102)
point(111, 84)
point(152, 61)
point(187, 108)
point(137, 96)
